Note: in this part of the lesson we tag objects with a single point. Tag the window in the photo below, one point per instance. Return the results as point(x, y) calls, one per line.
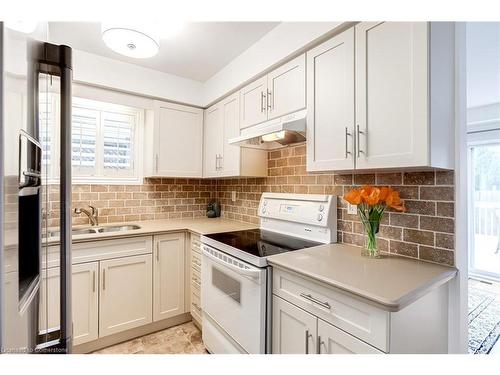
point(105, 143)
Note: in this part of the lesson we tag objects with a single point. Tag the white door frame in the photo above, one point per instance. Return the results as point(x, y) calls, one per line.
point(458, 304)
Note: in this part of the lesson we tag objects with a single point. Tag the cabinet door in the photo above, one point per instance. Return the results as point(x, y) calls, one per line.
point(178, 136)
point(330, 98)
point(391, 94)
point(168, 273)
point(231, 156)
point(213, 141)
point(253, 107)
point(125, 296)
point(84, 301)
point(335, 341)
point(287, 88)
point(294, 330)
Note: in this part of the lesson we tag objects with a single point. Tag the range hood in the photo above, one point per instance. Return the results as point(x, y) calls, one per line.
point(275, 133)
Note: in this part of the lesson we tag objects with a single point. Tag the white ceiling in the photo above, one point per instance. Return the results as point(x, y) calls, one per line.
point(197, 52)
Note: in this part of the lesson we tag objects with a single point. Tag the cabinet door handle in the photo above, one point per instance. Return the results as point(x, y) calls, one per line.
point(326, 305)
point(104, 279)
point(93, 281)
point(347, 134)
point(220, 162)
point(157, 251)
point(268, 100)
point(307, 340)
point(156, 162)
point(319, 342)
point(262, 101)
point(359, 132)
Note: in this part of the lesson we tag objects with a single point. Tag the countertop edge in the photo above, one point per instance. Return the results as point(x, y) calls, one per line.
point(188, 227)
point(388, 305)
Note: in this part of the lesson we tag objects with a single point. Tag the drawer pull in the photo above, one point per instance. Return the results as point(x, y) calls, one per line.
point(326, 305)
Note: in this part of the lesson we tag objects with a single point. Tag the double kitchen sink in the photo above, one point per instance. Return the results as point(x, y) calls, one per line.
point(94, 230)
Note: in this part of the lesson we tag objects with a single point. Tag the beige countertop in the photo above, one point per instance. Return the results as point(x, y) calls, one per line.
point(391, 282)
point(198, 225)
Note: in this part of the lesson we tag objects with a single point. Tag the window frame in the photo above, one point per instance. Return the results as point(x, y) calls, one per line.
point(98, 177)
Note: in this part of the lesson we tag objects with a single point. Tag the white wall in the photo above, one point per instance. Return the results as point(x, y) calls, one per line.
point(282, 41)
point(102, 71)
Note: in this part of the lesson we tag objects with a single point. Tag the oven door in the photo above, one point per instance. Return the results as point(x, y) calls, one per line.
point(233, 295)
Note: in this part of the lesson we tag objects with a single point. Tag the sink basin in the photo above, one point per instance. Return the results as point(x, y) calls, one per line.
point(95, 230)
point(118, 228)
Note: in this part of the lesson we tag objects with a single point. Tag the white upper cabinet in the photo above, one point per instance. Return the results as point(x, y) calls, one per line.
point(213, 140)
point(391, 94)
point(403, 104)
point(168, 274)
point(177, 140)
point(221, 159)
point(278, 93)
point(253, 103)
point(231, 161)
point(286, 88)
point(330, 110)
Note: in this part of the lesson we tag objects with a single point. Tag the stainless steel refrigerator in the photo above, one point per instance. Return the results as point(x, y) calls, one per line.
point(35, 192)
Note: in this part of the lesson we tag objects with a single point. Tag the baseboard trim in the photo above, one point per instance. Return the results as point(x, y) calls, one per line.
point(130, 334)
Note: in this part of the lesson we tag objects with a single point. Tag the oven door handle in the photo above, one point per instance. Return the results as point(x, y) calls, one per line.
point(252, 273)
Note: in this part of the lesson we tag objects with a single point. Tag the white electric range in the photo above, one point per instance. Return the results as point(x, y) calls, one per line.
point(236, 288)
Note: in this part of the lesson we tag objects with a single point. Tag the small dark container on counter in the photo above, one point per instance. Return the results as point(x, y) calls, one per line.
point(213, 209)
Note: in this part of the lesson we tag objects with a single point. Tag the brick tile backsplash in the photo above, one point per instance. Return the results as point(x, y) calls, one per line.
point(425, 231)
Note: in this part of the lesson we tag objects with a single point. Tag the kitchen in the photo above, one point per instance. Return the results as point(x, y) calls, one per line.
point(302, 204)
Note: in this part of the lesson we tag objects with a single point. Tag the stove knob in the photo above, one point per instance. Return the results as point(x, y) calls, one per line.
point(265, 203)
point(320, 217)
point(263, 210)
point(321, 208)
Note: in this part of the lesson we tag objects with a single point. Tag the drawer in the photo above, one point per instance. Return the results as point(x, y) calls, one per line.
point(196, 307)
point(196, 291)
point(196, 257)
point(195, 242)
point(196, 265)
point(196, 270)
point(355, 317)
point(196, 280)
point(83, 252)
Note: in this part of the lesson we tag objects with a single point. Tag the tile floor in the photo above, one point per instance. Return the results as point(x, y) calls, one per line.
point(182, 339)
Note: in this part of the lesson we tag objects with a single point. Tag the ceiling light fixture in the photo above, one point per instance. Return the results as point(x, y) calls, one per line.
point(131, 40)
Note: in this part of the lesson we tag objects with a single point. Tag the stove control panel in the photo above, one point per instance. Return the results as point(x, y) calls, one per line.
point(311, 214)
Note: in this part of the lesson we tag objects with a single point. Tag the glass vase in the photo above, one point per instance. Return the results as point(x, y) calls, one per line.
point(370, 247)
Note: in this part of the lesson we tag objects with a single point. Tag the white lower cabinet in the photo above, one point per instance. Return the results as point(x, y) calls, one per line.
point(125, 296)
point(84, 301)
point(294, 330)
point(312, 317)
point(332, 340)
point(195, 278)
point(168, 273)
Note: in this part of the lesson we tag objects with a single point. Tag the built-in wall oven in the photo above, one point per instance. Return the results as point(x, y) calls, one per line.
point(236, 285)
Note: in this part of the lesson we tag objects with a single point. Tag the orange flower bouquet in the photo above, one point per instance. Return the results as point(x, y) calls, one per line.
point(372, 203)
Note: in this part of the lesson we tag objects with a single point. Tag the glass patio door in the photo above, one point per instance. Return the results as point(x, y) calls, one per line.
point(484, 223)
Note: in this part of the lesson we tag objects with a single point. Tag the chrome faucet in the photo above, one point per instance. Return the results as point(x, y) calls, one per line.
point(93, 215)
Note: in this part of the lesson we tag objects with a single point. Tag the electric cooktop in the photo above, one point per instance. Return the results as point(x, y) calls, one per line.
point(261, 243)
